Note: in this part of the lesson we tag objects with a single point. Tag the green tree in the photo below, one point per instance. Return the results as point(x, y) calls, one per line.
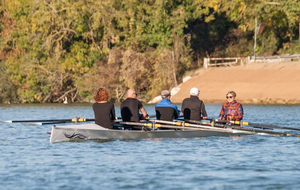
point(279, 20)
point(50, 50)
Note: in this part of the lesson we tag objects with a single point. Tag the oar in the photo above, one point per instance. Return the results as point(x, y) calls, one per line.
point(155, 125)
point(48, 120)
point(204, 125)
point(257, 124)
point(207, 125)
point(210, 126)
point(73, 120)
point(43, 123)
point(211, 119)
point(53, 121)
point(184, 124)
point(25, 121)
point(240, 128)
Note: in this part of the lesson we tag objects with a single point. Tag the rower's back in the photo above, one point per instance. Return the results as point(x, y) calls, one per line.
point(165, 110)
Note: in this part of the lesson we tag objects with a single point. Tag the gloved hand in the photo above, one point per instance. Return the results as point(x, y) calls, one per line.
point(144, 118)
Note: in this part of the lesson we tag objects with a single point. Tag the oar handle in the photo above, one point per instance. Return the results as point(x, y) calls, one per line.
point(148, 117)
point(200, 122)
point(81, 120)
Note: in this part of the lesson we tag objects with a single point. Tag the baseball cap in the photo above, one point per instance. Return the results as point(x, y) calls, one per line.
point(165, 93)
point(194, 91)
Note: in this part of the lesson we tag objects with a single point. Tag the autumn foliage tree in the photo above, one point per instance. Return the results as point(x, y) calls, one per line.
point(52, 50)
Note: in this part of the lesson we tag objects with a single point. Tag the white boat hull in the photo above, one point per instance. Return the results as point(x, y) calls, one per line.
point(96, 132)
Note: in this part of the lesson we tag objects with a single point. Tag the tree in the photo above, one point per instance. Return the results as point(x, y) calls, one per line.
point(279, 19)
point(49, 52)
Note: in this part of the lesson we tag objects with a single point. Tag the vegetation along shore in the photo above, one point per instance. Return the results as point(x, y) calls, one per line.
point(62, 51)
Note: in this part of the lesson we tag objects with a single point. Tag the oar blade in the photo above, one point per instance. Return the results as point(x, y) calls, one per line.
point(6, 121)
point(43, 123)
point(274, 126)
point(32, 121)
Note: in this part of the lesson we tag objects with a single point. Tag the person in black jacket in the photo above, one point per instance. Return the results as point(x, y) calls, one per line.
point(193, 108)
point(104, 110)
point(131, 106)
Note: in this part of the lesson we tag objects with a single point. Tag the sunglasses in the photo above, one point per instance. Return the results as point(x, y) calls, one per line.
point(229, 97)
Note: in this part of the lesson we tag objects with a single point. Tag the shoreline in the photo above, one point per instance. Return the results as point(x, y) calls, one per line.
point(254, 101)
point(254, 83)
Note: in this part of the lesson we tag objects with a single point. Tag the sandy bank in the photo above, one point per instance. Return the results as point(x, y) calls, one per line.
point(267, 83)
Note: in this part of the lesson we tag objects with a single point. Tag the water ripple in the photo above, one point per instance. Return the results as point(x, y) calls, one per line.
point(29, 161)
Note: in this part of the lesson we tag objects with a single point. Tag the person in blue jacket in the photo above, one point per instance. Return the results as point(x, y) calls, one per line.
point(165, 110)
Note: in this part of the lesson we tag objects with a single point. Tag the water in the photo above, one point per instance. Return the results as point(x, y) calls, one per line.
point(29, 161)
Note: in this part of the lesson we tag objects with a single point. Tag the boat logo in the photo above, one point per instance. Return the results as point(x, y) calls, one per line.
point(75, 136)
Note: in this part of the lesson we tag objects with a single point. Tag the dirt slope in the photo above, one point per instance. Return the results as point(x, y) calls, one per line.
point(269, 83)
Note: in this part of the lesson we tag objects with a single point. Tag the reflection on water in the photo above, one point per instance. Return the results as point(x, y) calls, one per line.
point(29, 161)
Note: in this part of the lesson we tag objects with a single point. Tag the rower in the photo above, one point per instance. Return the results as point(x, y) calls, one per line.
point(231, 110)
point(131, 106)
point(165, 110)
point(104, 110)
point(193, 108)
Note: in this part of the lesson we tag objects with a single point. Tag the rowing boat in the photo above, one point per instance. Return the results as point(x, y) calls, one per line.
point(96, 132)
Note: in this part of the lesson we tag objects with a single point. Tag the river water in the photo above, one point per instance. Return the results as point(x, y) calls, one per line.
point(29, 161)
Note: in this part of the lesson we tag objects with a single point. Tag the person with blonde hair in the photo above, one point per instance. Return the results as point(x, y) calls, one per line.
point(104, 110)
point(231, 110)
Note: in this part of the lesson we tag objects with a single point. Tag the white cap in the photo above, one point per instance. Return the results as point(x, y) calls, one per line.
point(194, 91)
